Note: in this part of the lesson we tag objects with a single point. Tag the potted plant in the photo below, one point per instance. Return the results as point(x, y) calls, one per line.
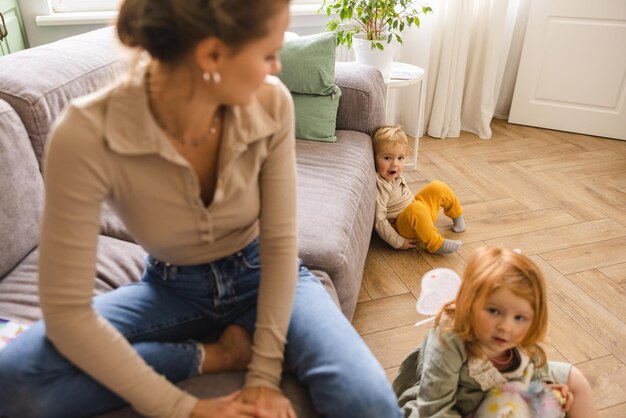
point(373, 25)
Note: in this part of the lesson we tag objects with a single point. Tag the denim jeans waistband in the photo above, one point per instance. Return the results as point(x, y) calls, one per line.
point(226, 280)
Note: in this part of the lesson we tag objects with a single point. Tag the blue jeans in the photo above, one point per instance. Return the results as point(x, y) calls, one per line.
point(173, 307)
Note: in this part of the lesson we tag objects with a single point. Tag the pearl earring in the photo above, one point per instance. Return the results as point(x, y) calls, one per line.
point(214, 77)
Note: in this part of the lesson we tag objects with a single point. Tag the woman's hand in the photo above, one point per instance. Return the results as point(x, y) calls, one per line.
point(269, 402)
point(224, 407)
point(566, 395)
point(408, 244)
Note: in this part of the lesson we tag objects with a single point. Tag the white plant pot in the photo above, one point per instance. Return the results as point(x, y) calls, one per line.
point(381, 60)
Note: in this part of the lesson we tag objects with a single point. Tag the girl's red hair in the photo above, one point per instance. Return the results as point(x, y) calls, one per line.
point(489, 269)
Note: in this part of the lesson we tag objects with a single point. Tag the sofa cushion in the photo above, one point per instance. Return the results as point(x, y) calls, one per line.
point(362, 104)
point(309, 73)
point(308, 64)
point(21, 191)
point(221, 384)
point(336, 202)
point(316, 116)
point(119, 262)
point(39, 82)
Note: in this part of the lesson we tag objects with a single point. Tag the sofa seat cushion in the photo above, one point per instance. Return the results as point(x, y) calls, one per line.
point(220, 384)
point(21, 189)
point(336, 203)
point(119, 263)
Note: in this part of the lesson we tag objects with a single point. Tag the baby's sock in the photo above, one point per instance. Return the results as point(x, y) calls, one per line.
point(449, 246)
point(458, 224)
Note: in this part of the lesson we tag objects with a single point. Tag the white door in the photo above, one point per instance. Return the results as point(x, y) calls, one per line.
point(572, 73)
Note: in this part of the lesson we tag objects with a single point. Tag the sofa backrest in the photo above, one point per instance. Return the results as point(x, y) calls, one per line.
point(39, 82)
point(362, 102)
point(21, 191)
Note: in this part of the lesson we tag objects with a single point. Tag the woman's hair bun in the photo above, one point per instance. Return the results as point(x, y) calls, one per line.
point(168, 29)
point(150, 25)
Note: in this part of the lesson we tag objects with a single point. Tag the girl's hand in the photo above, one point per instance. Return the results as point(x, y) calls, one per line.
point(223, 407)
point(269, 403)
point(568, 397)
point(407, 244)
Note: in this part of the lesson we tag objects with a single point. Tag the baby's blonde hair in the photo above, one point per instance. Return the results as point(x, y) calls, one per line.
point(489, 269)
point(388, 136)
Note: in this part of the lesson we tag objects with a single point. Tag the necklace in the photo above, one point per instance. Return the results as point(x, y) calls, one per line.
point(196, 140)
point(504, 362)
point(174, 134)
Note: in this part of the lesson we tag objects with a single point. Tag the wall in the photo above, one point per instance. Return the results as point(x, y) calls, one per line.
point(414, 50)
point(39, 35)
point(301, 23)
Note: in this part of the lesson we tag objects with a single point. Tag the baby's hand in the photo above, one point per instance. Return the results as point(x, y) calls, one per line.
point(408, 244)
point(563, 396)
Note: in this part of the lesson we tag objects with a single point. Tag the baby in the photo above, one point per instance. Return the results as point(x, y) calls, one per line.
point(401, 218)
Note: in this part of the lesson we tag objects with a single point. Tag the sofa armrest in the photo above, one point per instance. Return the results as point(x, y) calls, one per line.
point(362, 102)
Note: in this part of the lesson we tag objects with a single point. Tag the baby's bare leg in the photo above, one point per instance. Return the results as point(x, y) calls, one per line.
point(232, 351)
point(583, 405)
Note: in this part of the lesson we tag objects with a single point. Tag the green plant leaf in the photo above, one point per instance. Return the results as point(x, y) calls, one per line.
point(377, 20)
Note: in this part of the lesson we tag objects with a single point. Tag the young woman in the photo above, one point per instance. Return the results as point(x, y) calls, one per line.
point(488, 336)
point(195, 151)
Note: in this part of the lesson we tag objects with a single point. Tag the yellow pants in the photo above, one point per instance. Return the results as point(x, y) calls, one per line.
point(418, 219)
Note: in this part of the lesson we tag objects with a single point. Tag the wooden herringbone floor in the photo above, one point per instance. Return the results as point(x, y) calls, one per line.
point(561, 199)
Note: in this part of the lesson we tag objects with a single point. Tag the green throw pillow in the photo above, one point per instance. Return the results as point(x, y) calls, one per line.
point(309, 63)
point(308, 71)
point(316, 116)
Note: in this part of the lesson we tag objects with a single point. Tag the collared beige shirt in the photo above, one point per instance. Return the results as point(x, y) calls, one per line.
point(107, 147)
point(391, 199)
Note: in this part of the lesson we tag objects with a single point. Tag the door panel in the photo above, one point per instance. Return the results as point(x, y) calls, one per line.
point(16, 39)
point(572, 73)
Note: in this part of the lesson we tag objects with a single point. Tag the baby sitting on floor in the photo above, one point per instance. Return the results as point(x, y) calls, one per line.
point(401, 218)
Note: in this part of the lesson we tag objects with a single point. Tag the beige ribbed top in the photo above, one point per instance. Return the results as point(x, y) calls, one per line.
point(391, 199)
point(107, 146)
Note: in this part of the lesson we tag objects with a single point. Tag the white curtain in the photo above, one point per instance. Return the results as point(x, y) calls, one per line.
point(474, 55)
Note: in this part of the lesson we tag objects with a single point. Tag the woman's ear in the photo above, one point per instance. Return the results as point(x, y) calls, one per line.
point(208, 53)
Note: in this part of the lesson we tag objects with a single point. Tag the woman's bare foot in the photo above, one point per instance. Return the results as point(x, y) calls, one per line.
point(238, 345)
point(232, 351)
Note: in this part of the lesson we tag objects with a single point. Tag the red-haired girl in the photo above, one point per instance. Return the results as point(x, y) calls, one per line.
point(487, 337)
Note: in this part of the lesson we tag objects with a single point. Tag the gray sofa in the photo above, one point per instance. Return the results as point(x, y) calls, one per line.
point(336, 185)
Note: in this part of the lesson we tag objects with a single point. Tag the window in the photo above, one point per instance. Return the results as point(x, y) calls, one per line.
point(88, 12)
point(60, 6)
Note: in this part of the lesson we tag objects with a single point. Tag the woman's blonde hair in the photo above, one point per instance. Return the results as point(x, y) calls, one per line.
point(489, 269)
point(388, 136)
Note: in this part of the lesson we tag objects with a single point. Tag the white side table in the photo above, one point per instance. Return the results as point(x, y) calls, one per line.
point(405, 75)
